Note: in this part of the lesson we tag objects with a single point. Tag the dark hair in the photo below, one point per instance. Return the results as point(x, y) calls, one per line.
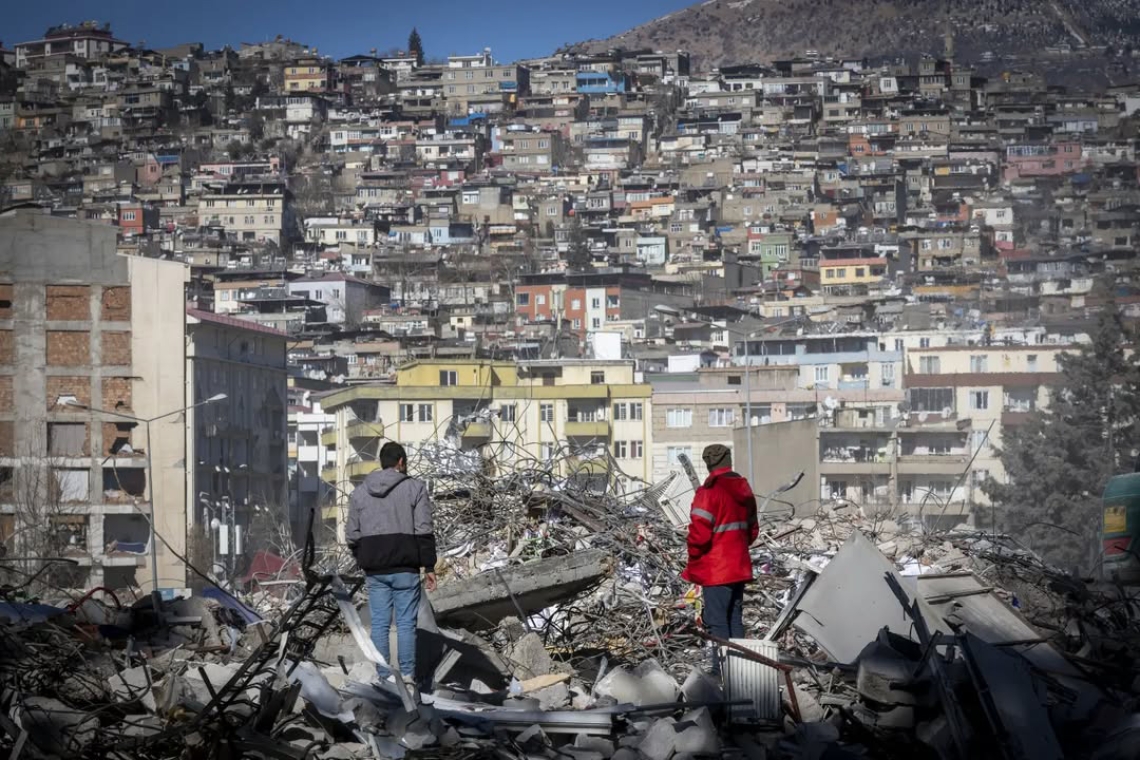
point(390, 454)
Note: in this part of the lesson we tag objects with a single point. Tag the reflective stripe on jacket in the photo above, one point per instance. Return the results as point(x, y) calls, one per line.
point(722, 525)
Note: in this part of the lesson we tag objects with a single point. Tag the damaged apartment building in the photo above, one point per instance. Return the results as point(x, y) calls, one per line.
point(104, 376)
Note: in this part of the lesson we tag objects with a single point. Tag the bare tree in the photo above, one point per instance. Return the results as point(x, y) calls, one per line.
point(50, 518)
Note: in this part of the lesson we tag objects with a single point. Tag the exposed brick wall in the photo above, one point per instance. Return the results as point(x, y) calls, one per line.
point(111, 432)
point(70, 303)
point(7, 439)
point(57, 386)
point(5, 301)
point(116, 391)
point(116, 349)
point(117, 304)
point(7, 400)
point(7, 348)
point(68, 348)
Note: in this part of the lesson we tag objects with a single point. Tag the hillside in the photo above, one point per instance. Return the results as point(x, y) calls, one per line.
point(720, 32)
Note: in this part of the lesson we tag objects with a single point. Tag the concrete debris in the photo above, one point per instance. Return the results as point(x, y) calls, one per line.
point(864, 638)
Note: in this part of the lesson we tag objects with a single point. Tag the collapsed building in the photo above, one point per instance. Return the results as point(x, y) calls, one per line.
point(561, 627)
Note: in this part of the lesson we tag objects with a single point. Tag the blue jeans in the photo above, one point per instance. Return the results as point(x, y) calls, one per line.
point(399, 592)
point(723, 615)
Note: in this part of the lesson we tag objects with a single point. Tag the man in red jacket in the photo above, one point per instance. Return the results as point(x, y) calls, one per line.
point(722, 525)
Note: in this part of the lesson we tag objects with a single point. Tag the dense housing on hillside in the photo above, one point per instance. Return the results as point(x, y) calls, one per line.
point(601, 261)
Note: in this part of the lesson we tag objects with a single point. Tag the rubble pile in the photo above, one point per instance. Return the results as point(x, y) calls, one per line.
point(561, 628)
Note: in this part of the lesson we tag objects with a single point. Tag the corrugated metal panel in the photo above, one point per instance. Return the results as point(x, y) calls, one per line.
point(745, 679)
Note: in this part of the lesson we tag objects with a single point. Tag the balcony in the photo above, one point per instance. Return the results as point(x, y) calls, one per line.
point(593, 429)
point(854, 385)
point(359, 429)
point(852, 467)
point(328, 437)
point(329, 474)
point(357, 470)
point(932, 464)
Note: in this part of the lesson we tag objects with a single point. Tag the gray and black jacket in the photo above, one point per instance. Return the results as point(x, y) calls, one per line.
point(389, 526)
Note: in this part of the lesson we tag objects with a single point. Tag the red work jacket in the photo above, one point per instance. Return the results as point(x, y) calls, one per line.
point(722, 525)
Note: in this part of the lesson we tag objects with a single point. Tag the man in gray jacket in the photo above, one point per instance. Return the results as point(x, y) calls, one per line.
point(389, 532)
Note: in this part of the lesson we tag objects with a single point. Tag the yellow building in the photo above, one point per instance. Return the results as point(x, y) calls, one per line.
point(310, 74)
point(847, 272)
point(996, 387)
point(578, 417)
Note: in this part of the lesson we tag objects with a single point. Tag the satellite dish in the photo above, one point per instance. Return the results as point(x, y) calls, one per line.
point(946, 412)
point(922, 416)
point(831, 403)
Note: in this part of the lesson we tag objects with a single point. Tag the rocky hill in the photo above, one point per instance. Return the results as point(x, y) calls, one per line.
point(720, 32)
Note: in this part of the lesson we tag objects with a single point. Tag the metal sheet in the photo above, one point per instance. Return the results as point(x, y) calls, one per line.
point(746, 679)
point(1011, 694)
point(850, 602)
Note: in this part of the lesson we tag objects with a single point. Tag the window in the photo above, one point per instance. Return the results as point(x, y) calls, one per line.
point(523, 299)
point(425, 412)
point(822, 375)
point(841, 272)
point(1031, 363)
point(597, 378)
point(576, 304)
point(621, 412)
point(924, 342)
point(860, 272)
point(929, 365)
point(887, 371)
point(899, 344)
point(837, 489)
point(546, 451)
point(977, 440)
point(722, 417)
point(540, 300)
point(577, 324)
point(734, 379)
point(979, 400)
point(636, 450)
point(407, 413)
point(679, 418)
point(552, 210)
point(612, 302)
point(596, 323)
point(673, 454)
point(508, 413)
point(621, 450)
point(546, 412)
point(979, 363)
point(636, 410)
point(128, 216)
point(448, 377)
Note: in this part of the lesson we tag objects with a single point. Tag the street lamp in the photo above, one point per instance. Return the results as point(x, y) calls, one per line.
point(71, 401)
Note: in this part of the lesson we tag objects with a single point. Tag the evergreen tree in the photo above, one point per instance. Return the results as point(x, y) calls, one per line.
point(416, 46)
point(578, 257)
point(1057, 464)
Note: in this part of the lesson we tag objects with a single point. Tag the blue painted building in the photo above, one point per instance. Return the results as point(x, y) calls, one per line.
point(601, 83)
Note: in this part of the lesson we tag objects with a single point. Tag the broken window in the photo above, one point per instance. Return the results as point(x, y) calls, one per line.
point(123, 483)
point(67, 439)
point(68, 532)
point(72, 484)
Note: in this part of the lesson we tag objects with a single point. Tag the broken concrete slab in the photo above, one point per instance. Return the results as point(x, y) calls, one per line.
point(529, 658)
point(697, 734)
point(850, 602)
point(660, 742)
point(481, 602)
point(647, 684)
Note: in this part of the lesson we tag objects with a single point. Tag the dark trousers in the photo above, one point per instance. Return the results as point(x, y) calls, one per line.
point(723, 615)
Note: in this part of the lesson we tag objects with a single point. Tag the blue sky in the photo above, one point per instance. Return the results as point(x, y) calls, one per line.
point(511, 28)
